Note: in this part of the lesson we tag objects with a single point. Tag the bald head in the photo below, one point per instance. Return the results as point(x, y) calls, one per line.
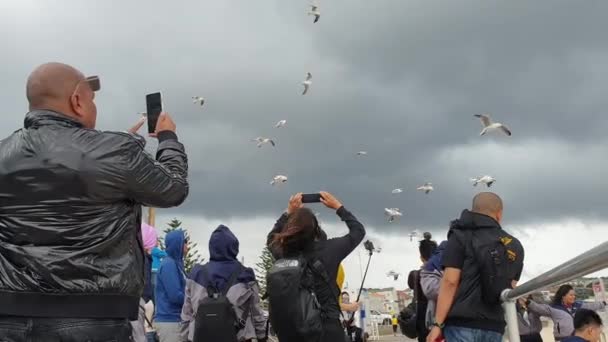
point(60, 88)
point(51, 85)
point(488, 203)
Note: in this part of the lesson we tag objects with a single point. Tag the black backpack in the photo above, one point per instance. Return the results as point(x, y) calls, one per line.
point(495, 260)
point(216, 319)
point(294, 308)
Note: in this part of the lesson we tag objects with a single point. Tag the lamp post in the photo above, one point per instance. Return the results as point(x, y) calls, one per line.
point(151, 216)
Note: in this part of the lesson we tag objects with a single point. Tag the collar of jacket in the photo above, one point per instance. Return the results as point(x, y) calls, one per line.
point(472, 220)
point(43, 117)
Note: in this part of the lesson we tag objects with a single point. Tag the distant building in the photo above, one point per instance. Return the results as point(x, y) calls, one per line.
point(385, 300)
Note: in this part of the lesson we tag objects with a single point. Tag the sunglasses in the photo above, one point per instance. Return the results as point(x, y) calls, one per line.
point(92, 81)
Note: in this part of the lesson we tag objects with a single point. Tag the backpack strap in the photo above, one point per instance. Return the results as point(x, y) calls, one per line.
point(211, 290)
point(232, 279)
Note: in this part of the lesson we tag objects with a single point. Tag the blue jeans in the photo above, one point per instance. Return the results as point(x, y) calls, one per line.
point(460, 334)
point(22, 329)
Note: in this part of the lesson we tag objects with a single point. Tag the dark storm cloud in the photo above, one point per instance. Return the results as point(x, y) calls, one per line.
point(400, 79)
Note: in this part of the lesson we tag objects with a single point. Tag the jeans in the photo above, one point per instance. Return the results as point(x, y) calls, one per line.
point(460, 334)
point(22, 329)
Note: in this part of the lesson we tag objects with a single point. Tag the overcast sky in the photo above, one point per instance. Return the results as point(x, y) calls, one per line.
point(399, 79)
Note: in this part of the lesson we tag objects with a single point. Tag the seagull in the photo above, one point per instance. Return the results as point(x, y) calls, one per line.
point(198, 99)
point(487, 180)
point(393, 274)
point(413, 235)
point(261, 141)
point(489, 126)
point(362, 153)
point(397, 191)
point(280, 124)
point(315, 11)
point(392, 213)
point(307, 82)
point(427, 187)
point(278, 179)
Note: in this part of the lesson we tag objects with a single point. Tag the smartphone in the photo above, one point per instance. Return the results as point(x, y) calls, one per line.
point(154, 106)
point(311, 198)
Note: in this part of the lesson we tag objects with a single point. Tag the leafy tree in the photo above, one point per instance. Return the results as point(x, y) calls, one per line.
point(193, 257)
point(262, 268)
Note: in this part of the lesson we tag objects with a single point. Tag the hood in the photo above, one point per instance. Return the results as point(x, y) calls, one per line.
point(149, 236)
point(473, 220)
point(174, 243)
point(434, 263)
point(223, 245)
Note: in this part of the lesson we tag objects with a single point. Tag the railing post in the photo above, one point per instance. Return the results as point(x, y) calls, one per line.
point(510, 316)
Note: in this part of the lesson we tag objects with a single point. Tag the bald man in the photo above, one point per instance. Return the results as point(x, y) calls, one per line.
point(480, 261)
point(71, 256)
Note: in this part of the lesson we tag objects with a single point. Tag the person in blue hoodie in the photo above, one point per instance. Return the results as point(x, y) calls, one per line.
point(170, 288)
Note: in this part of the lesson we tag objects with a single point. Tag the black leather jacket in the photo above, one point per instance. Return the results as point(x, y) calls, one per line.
point(70, 216)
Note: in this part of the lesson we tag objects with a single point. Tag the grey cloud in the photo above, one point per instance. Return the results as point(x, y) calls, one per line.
point(401, 83)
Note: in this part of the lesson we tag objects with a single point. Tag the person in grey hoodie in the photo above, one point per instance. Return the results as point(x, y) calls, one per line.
point(244, 294)
point(528, 321)
point(563, 309)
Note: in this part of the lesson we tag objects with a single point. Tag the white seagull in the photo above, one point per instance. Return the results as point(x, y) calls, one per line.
point(487, 180)
point(397, 191)
point(278, 179)
point(427, 187)
point(199, 100)
point(392, 213)
point(489, 126)
point(261, 141)
point(393, 274)
point(362, 153)
point(280, 124)
point(307, 82)
point(315, 11)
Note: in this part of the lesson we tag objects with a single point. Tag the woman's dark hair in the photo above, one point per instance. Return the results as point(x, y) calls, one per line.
point(561, 293)
point(301, 230)
point(427, 246)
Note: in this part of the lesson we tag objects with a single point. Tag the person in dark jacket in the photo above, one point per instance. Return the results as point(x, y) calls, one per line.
point(297, 232)
point(588, 327)
point(462, 314)
point(72, 259)
point(243, 294)
point(170, 288)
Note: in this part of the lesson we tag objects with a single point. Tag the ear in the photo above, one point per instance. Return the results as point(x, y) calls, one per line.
point(499, 216)
point(76, 104)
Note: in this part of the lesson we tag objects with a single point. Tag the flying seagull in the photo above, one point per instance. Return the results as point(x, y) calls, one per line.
point(392, 213)
point(307, 82)
point(427, 187)
point(278, 179)
point(315, 11)
point(414, 235)
point(280, 124)
point(397, 191)
point(487, 180)
point(362, 153)
point(393, 274)
point(489, 126)
point(199, 100)
point(261, 141)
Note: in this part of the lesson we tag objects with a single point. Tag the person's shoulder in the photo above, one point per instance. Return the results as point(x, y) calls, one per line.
point(124, 138)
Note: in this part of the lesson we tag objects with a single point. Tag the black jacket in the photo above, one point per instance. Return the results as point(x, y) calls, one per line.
point(70, 216)
point(331, 253)
point(469, 310)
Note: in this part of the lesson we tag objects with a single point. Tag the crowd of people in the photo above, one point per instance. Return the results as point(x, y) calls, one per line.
point(77, 263)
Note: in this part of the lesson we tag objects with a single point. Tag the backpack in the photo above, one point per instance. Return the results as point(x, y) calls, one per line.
point(216, 319)
point(495, 261)
point(294, 307)
point(408, 316)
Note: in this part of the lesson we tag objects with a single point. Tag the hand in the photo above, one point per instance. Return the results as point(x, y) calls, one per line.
point(352, 307)
point(434, 335)
point(295, 203)
point(330, 201)
point(138, 125)
point(164, 123)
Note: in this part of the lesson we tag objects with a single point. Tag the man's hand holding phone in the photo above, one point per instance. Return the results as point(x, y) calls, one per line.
point(164, 123)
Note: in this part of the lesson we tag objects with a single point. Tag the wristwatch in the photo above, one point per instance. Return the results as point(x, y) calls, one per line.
point(439, 325)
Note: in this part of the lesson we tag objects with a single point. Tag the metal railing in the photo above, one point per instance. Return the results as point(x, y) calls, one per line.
point(591, 261)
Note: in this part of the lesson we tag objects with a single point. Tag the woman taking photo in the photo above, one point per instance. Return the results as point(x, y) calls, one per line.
point(562, 310)
point(296, 233)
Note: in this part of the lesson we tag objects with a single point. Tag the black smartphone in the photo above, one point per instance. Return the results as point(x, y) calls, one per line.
point(154, 106)
point(311, 198)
